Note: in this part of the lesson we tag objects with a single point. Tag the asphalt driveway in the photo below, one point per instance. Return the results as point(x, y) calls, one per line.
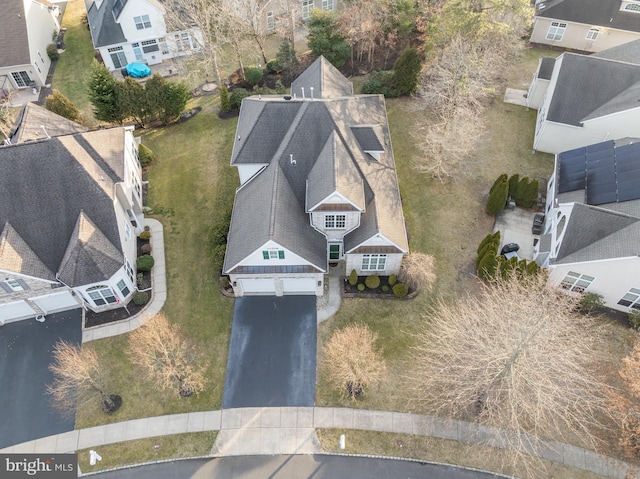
point(25, 354)
point(272, 354)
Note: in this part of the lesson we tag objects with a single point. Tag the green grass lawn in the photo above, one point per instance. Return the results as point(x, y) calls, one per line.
point(149, 450)
point(72, 70)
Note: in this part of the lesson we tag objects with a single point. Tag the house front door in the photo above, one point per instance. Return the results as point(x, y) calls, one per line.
point(334, 251)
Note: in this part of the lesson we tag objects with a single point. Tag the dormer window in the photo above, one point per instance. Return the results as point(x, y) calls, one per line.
point(14, 284)
point(335, 221)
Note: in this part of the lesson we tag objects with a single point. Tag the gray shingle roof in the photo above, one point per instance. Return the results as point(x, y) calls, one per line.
point(327, 157)
point(587, 83)
point(325, 79)
point(16, 256)
point(604, 13)
point(367, 138)
point(104, 29)
point(627, 52)
point(594, 233)
point(90, 257)
point(334, 171)
point(29, 125)
point(44, 185)
point(13, 34)
point(546, 68)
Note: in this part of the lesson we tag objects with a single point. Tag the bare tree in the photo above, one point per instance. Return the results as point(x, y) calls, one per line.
point(251, 15)
point(6, 116)
point(625, 403)
point(166, 356)
point(352, 361)
point(207, 16)
point(79, 378)
point(418, 271)
point(515, 357)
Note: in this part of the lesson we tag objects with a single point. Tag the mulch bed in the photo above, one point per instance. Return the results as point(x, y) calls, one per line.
point(97, 319)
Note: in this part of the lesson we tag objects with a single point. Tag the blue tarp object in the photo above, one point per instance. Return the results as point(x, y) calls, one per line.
point(138, 70)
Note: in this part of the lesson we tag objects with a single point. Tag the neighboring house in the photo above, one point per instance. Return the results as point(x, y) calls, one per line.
point(70, 211)
point(586, 25)
point(586, 99)
point(27, 27)
point(592, 224)
point(318, 186)
point(128, 31)
point(278, 11)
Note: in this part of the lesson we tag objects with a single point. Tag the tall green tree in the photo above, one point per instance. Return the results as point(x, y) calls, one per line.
point(61, 105)
point(325, 39)
point(176, 96)
point(132, 100)
point(103, 94)
point(406, 71)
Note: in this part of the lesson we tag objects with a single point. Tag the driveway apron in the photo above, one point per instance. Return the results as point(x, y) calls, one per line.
point(272, 354)
point(25, 354)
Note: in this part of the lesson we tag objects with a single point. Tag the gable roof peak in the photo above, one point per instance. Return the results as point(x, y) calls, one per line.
point(321, 80)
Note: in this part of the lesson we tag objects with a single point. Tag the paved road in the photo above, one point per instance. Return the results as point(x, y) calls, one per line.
point(25, 354)
point(272, 354)
point(295, 467)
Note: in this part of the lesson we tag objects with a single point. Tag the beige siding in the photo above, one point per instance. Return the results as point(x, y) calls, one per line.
point(575, 36)
point(352, 221)
point(354, 261)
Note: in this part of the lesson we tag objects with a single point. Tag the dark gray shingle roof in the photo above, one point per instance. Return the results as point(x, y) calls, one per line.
point(586, 84)
point(16, 256)
point(104, 29)
point(44, 185)
point(271, 206)
point(594, 233)
point(325, 79)
point(13, 34)
point(627, 52)
point(604, 13)
point(546, 68)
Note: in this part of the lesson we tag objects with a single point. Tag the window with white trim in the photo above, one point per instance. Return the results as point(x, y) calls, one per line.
point(101, 295)
point(327, 5)
point(592, 34)
point(556, 31)
point(576, 282)
point(271, 22)
point(127, 230)
point(273, 254)
point(307, 5)
point(631, 299)
point(632, 7)
point(335, 221)
point(142, 22)
point(124, 289)
point(373, 262)
point(137, 51)
point(129, 269)
point(21, 78)
point(164, 47)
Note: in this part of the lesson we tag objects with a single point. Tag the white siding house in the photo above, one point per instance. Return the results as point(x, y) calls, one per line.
point(318, 187)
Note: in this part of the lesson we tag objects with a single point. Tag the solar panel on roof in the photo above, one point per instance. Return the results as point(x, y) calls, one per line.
point(601, 198)
point(600, 156)
point(578, 152)
point(627, 195)
point(605, 145)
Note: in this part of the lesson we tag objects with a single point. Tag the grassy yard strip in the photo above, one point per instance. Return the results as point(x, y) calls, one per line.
point(149, 450)
point(72, 70)
point(190, 188)
point(434, 450)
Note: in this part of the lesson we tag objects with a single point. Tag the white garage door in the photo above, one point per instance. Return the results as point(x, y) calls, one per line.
point(299, 285)
point(56, 302)
point(15, 311)
point(253, 286)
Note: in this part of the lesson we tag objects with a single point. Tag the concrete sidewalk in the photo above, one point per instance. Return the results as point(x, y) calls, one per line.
point(158, 292)
point(268, 431)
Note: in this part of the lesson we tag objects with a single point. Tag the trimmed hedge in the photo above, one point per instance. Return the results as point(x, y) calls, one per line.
point(140, 298)
point(145, 235)
point(400, 290)
point(353, 277)
point(145, 262)
point(372, 282)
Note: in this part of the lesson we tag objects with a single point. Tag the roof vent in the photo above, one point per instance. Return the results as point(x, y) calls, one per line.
point(291, 160)
point(311, 89)
point(287, 97)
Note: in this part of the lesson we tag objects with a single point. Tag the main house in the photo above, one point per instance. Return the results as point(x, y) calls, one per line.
point(26, 29)
point(70, 211)
point(318, 186)
point(586, 25)
point(128, 31)
point(582, 100)
point(592, 224)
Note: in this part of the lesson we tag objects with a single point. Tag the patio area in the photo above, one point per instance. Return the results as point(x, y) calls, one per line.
point(515, 225)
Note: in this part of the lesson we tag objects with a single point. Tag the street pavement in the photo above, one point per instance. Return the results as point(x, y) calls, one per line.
point(316, 466)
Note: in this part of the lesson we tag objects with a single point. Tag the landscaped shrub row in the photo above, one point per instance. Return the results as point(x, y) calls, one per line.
point(374, 282)
point(523, 191)
point(489, 265)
